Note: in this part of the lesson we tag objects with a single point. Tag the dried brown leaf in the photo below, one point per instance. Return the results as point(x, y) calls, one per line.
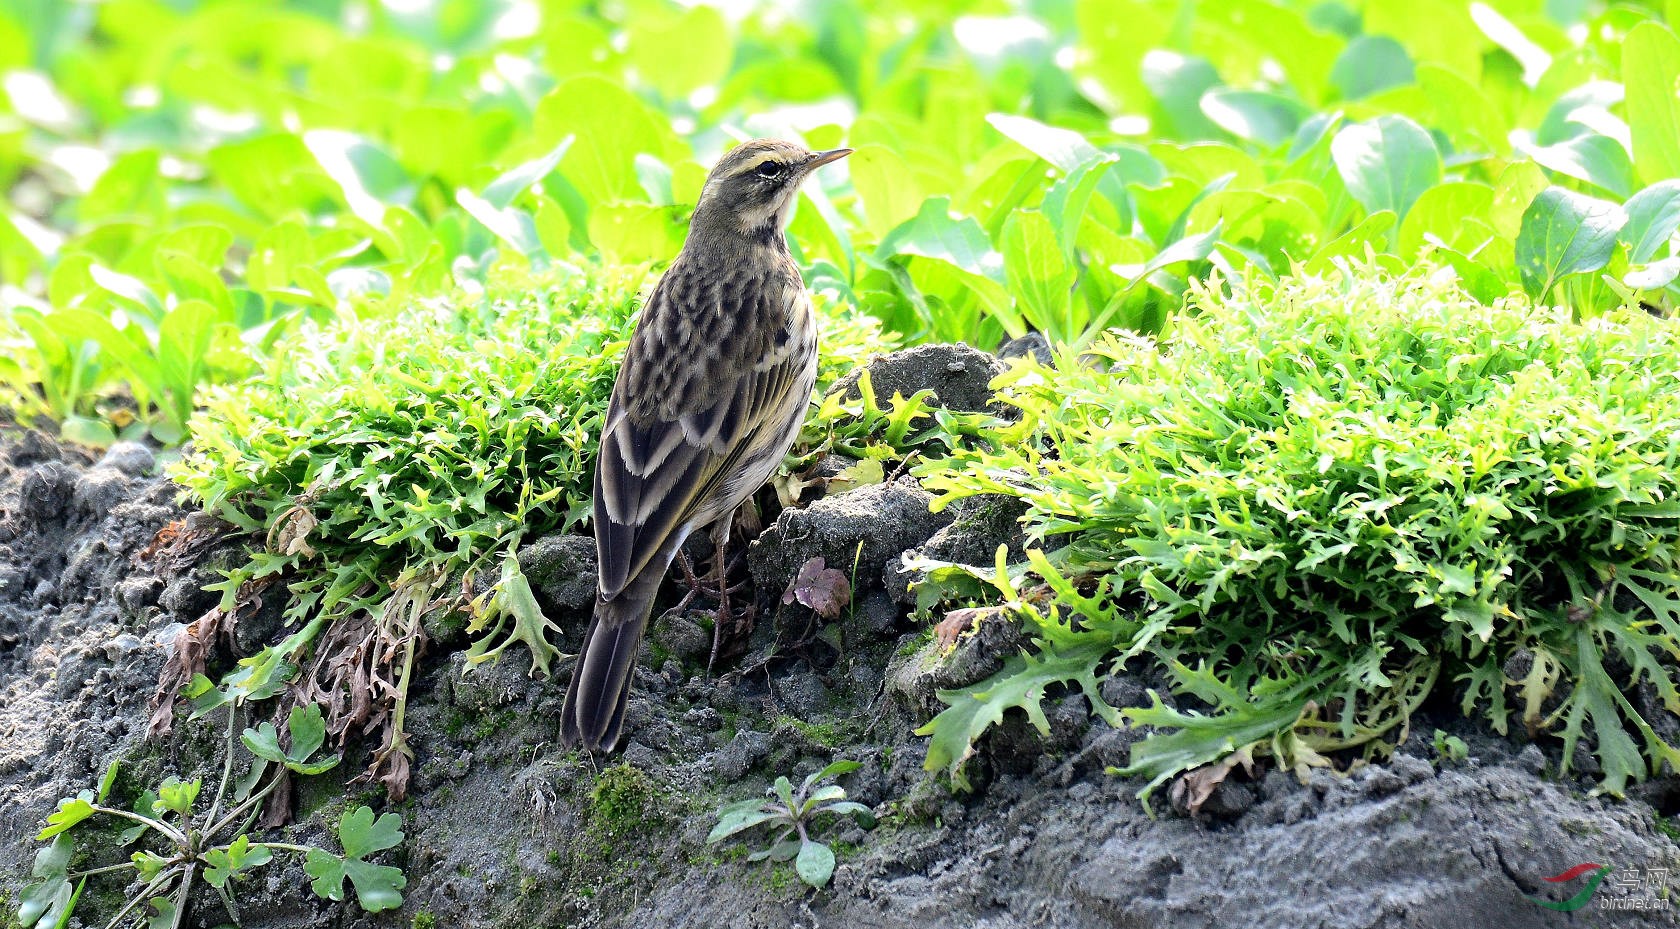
point(821, 588)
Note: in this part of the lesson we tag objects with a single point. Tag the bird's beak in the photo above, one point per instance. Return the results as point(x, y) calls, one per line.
point(818, 159)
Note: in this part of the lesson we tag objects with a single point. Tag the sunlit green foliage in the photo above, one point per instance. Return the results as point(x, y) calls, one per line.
point(1315, 503)
point(186, 181)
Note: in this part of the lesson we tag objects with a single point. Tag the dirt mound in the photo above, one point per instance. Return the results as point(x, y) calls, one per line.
point(505, 829)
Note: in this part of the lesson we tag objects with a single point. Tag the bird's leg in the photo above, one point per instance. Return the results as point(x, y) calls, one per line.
point(688, 578)
point(720, 567)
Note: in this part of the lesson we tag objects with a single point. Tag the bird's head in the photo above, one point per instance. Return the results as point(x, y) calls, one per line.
point(751, 190)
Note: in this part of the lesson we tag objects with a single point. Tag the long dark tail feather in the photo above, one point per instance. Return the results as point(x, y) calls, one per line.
point(594, 712)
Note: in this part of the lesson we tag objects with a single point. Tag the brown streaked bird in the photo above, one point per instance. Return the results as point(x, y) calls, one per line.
point(711, 396)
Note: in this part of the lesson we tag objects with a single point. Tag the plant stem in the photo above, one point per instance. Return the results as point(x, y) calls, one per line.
point(227, 766)
point(105, 870)
point(140, 897)
point(301, 849)
point(181, 897)
point(175, 835)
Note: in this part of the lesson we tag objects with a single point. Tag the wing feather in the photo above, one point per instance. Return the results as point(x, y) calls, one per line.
point(658, 473)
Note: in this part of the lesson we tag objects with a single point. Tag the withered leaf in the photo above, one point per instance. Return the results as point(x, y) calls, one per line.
point(823, 589)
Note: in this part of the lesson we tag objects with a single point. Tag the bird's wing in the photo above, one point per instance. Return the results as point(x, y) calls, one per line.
point(688, 408)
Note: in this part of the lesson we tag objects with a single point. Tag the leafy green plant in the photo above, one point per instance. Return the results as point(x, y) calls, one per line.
point(1043, 168)
point(1450, 747)
point(791, 815)
point(1314, 503)
point(181, 841)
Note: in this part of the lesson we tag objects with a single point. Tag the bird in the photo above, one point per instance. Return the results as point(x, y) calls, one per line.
point(712, 393)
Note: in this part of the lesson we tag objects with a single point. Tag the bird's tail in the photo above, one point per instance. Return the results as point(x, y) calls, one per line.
point(600, 688)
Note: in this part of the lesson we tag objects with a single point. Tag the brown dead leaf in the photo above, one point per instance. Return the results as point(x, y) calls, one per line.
point(821, 588)
point(1193, 788)
point(290, 533)
point(957, 622)
point(191, 650)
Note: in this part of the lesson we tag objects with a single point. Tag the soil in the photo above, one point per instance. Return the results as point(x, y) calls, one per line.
point(504, 829)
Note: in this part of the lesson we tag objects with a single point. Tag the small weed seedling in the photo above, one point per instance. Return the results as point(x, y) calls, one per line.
point(791, 814)
point(188, 841)
point(1450, 748)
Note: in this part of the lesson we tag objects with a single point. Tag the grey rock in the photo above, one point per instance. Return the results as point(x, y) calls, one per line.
point(886, 519)
point(917, 678)
point(1032, 345)
point(561, 569)
point(978, 526)
point(46, 492)
point(958, 375)
point(131, 458)
point(684, 638)
point(734, 760)
point(99, 490)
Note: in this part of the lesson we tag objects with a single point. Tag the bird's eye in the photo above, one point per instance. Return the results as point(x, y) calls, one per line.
point(769, 170)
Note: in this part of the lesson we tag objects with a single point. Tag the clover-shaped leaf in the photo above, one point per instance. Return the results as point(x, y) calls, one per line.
point(378, 887)
point(308, 730)
point(48, 901)
point(71, 810)
point(176, 795)
point(238, 856)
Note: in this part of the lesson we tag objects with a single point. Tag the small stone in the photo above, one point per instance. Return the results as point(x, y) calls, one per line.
point(734, 760)
point(130, 458)
point(959, 376)
point(46, 492)
point(561, 569)
point(684, 638)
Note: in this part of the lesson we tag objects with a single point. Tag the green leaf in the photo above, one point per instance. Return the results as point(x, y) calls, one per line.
point(935, 234)
point(176, 795)
point(1257, 116)
point(834, 769)
point(1063, 148)
point(1371, 63)
point(1386, 163)
point(513, 601)
point(678, 55)
point(815, 863)
point(232, 860)
point(739, 817)
point(378, 887)
point(501, 192)
point(1190, 740)
point(1651, 75)
point(108, 781)
point(1565, 233)
point(70, 812)
point(50, 900)
point(1597, 159)
point(368, 176)
point(1021, 683)
point(1040, 276)
point(1652, 216)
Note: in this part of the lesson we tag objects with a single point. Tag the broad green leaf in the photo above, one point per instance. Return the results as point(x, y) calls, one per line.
point(49, 901)
point(513, 603)
point(1063, 148)
point(1067, 199)
point(71, 811)
point(1177, 82)
point(230, 862)
point(368, 176)
point(1387, 163)
point(1653, 215)
point(815, 863)
point(1565, 233)
point(739, 817)
point(515, 181)
point(680, 54)
point(1371, 63)
point(1453, 213)
point(610, 126)
point(1040, 276)
point(934, 233)
point(378, 887)
point(1257, 116)
point(1651, 76)
point(1597, 159)
point(890, 191)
